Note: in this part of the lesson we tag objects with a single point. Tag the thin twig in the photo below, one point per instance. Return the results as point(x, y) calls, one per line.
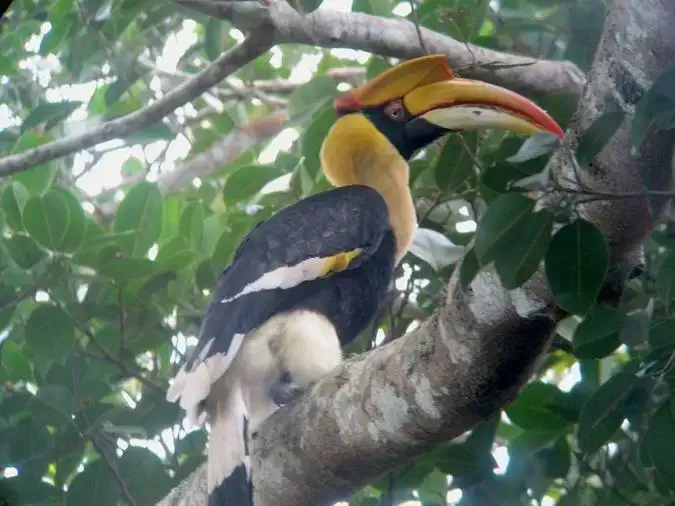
point(418, 29)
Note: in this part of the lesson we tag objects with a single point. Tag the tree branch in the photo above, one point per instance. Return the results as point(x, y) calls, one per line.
point(256, 43)
point(389, 406)
point(395, 37)
point(223, 152)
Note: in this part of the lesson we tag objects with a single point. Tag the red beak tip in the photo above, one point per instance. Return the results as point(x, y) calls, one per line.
point(347, 103)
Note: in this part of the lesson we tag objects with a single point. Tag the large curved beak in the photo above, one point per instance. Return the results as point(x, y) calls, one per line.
point(433, 95)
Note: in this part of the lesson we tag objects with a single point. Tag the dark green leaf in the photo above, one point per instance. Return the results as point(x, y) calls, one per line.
point(661, 333)
point(498, 227)
point(144, 475)
point(596, 137)
point(214, 43)
point(657, 105)
point(141, 210)
point(50, 332)
point(454, 165)
point(659, 445)
point(598, 335)
point(306, 6)
point(602, 415)
point(665, 280)
point(49, 112)
point(469, 268)
point(14, 199)
point(530, 410)
point(15, 364)
point(459, 460)
point(95, 485)
point(24, 251)
point(519, 260)
point(54, 404)
point(246, 182)
point(576, 265)
point(124, 269)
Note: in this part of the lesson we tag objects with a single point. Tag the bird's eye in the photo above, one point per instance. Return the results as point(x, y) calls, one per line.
point(396, 111)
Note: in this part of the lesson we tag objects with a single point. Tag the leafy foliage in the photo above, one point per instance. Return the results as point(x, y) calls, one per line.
point(105, 272)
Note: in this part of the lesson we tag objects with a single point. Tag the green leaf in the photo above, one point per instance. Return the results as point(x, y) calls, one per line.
point(459, 460)
point(132, 166)
point(376, 64)
point(520, 259)
point(454, 165)
point(14, 199)
point(52, 41)
point(144, 476)
point(657, 105)
point(214, 44)
point(56, 220)
point(661, 333)
point(530, 410)
point(178, 260)
point(50, 332)
point(658, 444)
point(665, 280)
point(310, 97)
point(158, 131)
point(50, 112)
point(598, 335)
point(246, 182)
point(94, 485)
point(596, 137)
point(469, 268)
point(576, 265)
point(374, 7)
point(15, 365)
point(8, 66)
point(603, 413)
point(30, 440)
point(141, 210)
point(229, 242)
point(192, 224)
point(125, 269)
point(313, 138)
point(24, 251)
point(38, 178)
point(306, 6)
point(499, 226)
point(54, 404)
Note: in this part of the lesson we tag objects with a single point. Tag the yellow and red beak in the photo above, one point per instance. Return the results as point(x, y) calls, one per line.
point(430, 91)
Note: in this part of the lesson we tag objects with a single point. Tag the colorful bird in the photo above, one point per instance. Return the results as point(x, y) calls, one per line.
point(310, 279)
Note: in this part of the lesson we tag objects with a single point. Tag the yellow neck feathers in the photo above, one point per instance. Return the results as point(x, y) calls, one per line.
point(355, 152)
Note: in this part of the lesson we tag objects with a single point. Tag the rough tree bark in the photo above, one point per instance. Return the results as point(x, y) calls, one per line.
point(390, 405)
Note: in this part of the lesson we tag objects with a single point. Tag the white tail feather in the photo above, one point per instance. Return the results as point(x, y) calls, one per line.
point(227, 441)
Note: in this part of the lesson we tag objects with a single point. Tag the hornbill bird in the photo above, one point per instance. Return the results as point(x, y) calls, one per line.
point(311, 277)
